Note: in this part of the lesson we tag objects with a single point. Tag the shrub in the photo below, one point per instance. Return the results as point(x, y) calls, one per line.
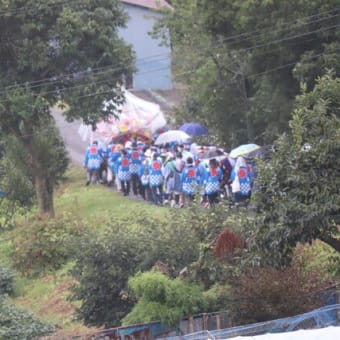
point(263, 294)
point(104, 263)
point(218, 297)
point(6, 281)
point(320, 257)
point(16, 324)
point(163, 299)
point(46, 244)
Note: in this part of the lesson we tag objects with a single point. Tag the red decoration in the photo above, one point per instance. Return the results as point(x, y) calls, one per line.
point(226, 244)
point(135, 155)
point(156, 166)
point(191, 173)
point(213, 172)
point(242, 173)
point(93, 150)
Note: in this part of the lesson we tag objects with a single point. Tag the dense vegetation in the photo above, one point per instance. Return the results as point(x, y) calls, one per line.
point(242, 61)
point(101, 256)
point(53, 52)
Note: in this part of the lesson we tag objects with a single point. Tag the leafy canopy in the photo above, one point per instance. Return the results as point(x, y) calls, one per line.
point(242, 61)
point(298, 198)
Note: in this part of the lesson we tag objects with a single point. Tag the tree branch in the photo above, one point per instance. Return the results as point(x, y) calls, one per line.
point(331, 241)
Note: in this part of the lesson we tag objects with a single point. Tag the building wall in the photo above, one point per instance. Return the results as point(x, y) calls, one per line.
point(153, 62)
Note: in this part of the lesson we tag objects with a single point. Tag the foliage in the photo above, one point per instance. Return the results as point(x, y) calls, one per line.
point(175, 240)
point(20, 182)
point(242, 61)
point(19, 325)
point(297, 194)
point(262, 294)
point(18, 188)
point(105, 262)
point(218, 297)
point(6, 280)
point(45, 244)
point(103, 266)
point(319, 257)
point(54, 53)
point(163, 299)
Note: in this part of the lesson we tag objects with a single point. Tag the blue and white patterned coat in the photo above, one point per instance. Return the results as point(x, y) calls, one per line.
point(241, 178)
point(190, 179)
point(211, 180)
point(155, 173)
point(135, 160)
point(124, 174)
point(112, 154)
point(93, 157)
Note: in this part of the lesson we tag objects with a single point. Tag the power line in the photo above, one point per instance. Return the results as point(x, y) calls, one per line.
point(39, 7)
point(164, 68)
point(255, 75)
point(110, 69)
point(49, 81)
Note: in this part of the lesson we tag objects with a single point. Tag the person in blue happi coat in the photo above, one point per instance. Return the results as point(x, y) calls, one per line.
point(136, 158)
point(240, 182)
point(113, 153)
point(124, 174)
point(156, 179)
point(190, 180)
point(212, 182)
point(94, 156)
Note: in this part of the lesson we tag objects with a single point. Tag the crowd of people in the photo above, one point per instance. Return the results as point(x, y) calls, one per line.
point(173, 173)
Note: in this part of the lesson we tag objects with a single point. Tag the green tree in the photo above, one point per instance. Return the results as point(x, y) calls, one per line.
point(163, 299)
point(298, 198)
point(243, 61)
point(18, 324)
point(41, 169)
point(53, 52)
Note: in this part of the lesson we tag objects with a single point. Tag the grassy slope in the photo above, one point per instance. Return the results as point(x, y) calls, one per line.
point(46, 296)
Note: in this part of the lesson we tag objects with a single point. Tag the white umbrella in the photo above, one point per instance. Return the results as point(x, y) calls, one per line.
point(172, 136)
point(243, 150)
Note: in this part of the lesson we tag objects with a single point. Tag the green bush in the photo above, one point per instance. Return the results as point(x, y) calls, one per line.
point(105, 262)
point(46, 244)
point(6, 281)
point(163, 299)
point(16, 324)
point(218, 297)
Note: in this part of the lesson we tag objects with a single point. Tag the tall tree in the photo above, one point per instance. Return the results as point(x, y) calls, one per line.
point(298, 198)
point(54, 52)
point(244, 60)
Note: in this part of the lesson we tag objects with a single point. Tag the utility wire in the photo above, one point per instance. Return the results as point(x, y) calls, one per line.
point(53, 79)
point(254, 75)
point(110, 69)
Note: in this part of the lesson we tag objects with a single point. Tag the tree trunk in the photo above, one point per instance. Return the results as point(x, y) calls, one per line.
point(45, 197)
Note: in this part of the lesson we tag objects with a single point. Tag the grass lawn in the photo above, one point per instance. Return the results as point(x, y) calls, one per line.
point(46, 295)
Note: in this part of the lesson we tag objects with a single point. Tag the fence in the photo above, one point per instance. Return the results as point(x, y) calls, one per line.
point(319, 318)
point(154, 330)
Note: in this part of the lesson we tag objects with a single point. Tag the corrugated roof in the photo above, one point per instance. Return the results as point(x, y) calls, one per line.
point(152, 4)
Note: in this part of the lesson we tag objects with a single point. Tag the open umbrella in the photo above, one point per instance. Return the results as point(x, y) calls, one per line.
point(243, 150)
point(172, 136)
point(193, 129)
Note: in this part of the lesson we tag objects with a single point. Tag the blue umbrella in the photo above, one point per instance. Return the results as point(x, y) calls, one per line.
point(243, 150)
point(193, 129)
